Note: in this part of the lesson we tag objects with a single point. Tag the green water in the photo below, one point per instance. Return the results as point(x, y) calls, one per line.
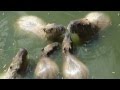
point(102, 56)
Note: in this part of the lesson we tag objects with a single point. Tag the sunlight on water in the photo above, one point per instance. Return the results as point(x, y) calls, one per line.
point(31, 24)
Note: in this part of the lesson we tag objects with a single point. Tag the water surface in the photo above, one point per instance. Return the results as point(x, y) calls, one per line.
point(101, 56)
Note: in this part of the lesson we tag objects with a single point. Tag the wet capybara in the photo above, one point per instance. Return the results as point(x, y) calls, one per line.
point(18, 65)
point(89, 26)
point(47, 68)
point(73, 68)
point(54, 32)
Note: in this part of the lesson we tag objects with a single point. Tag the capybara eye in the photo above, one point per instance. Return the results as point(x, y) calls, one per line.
point(10, 67)
point(51, 29)
point(44, 29)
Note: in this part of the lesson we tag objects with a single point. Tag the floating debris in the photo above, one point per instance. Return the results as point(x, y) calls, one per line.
point(103, 36)
point(113, 72)
point(118, 24)
point(118, 14)
point(86, 49)
point(4, 66)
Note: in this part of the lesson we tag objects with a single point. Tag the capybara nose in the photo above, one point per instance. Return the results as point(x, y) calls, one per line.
point(22, 52)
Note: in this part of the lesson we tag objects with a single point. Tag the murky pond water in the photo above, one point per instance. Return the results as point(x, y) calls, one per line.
point(101, 56)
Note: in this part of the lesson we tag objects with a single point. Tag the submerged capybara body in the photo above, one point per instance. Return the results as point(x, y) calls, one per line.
point(73, 68)
point(18, 65)
point(47, 68)
point(89, 26)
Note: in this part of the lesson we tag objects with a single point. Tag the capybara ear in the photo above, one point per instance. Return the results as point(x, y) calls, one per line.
point(44, 29)
point(42, 49)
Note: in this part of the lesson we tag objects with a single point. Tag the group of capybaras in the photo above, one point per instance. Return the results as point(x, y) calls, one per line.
point(72, 68)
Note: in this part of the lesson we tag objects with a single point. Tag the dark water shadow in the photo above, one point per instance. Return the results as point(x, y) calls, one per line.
point(87, 44)
point(29, 74)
